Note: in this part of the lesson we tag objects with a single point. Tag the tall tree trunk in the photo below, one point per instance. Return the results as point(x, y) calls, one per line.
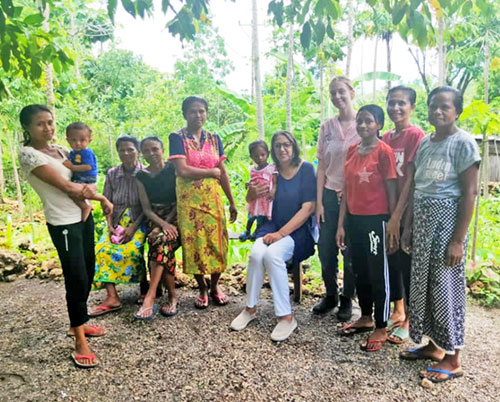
point(441, 51)
point(388, 36)
point(486, 149)
point(289, 80)
point(49, 73)
point(13, 152)
point(256, 68)
point(350, 36)
point(2, 177)
point(374, 89)
point(322, 88)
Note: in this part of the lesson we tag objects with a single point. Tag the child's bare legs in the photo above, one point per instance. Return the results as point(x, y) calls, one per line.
point(85, 206)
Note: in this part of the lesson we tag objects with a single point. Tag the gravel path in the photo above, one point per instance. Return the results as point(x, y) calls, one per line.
point(194, 356)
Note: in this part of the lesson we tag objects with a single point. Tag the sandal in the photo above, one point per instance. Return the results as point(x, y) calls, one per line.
point(169, 313)
point(376, 345)
point(201, 302)
point(350, 330)
point(450, 374)
point(149, 317)
point(76, 358)
point(399, 336)
point(101, 310)
point(416, 354)
point(92, 331)
point(220, 299)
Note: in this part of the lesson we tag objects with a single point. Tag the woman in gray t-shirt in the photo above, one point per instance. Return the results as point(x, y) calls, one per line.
point(445, 185)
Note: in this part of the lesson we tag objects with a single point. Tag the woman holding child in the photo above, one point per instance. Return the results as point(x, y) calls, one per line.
point(43, 164)
point(285, 236)
point(120, 251)
point(199, 157)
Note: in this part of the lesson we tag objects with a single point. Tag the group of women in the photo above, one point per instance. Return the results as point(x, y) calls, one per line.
point(365, 186)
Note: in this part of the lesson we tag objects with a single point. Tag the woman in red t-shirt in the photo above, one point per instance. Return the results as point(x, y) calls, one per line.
point(370, 197)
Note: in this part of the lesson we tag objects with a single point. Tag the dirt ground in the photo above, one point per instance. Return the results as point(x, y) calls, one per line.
point(196, 357)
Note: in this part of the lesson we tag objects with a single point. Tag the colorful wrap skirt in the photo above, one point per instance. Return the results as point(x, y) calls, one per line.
point(437, 292)
point(162, 250)
point(202, 222)
point(120, 263)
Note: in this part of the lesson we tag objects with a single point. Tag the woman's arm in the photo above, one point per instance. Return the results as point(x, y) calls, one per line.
point(182, 169)
point(406, 237)
point(393, 226)
point(300, 217)
point(320, 184)
point(468, 185)
point(226, 186)
point(75, 190)
point(169, 229)
point(340, 236)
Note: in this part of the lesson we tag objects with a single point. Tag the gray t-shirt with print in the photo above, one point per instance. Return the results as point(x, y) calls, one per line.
point(438, 164)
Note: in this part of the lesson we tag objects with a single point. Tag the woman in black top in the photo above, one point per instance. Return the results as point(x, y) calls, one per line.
point(156, 186)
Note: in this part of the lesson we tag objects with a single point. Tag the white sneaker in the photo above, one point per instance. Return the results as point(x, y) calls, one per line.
point(283, 330)
point(243, 319)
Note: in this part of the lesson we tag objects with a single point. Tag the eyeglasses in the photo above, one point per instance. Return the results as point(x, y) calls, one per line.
point(284, 145)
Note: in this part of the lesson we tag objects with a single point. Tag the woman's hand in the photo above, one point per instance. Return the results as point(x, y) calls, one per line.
point(271, 238)
point(233, 213)
point(406, 239)
point(340, 238)
point(216, 173)
point(454, 253)
point(170, 231)
point(320, 213)
point(107, 207)
point(111, 230)
point(154, 233)
point(392, 233)
point(129, 232)
point(257, 190)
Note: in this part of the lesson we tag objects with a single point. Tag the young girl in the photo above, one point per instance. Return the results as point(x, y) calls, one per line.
point(444, 188)
point(263, 174)
point(370, 197)
point(404, 139)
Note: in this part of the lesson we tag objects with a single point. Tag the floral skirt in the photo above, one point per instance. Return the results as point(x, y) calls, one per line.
point(202, 222)
point(120, 263)
point(437, 292)
point(161, 250)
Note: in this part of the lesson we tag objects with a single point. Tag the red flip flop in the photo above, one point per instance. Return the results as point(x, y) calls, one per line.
point(92, 331)
point(220, 299)
point(201, 302)
point(91, 357)
point(376, 345)
point(101, 310)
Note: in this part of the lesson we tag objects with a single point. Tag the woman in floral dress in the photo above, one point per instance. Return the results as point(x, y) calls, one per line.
point(199, 162)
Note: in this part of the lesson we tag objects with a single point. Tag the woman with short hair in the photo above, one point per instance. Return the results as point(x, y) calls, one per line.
point(287, 236)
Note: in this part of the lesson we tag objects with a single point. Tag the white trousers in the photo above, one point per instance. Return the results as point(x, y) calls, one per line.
point(272, 258)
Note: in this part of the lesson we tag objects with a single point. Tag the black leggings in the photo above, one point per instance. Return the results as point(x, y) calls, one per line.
point(76, 250)
point(399, 273)
point(369, 261)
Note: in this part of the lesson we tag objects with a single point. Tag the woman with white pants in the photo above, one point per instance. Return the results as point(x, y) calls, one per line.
point(286, 236)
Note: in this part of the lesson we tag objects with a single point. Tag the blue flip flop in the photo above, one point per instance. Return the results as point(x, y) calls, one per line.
point(154, 311)
point(450, 374)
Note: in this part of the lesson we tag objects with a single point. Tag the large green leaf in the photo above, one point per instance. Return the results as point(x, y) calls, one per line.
point(305, 35)
point(378, 75)
point(33, 19)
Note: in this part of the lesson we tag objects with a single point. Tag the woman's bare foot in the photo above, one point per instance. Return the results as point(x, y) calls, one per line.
point(430, 351)
point(375, 340)
point(170, 309)
point(449, 363)
point(398, 316)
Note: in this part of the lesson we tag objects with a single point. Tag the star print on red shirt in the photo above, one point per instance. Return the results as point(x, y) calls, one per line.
point(365, 177)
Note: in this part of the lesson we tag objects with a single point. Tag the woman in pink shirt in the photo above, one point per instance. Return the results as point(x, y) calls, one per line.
point(335, 137)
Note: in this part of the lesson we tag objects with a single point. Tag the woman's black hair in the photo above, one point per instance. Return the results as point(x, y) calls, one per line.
point(127, 138)
point(78, 126)
point(25, 117)
point(377, 112)
point(190, 100)
point(152, 138)
point(256, 144)
point(410, 92)
point(458, 99)
point(295, 147)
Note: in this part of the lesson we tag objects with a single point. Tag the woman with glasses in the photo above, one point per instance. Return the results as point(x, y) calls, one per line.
point(287, 236)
